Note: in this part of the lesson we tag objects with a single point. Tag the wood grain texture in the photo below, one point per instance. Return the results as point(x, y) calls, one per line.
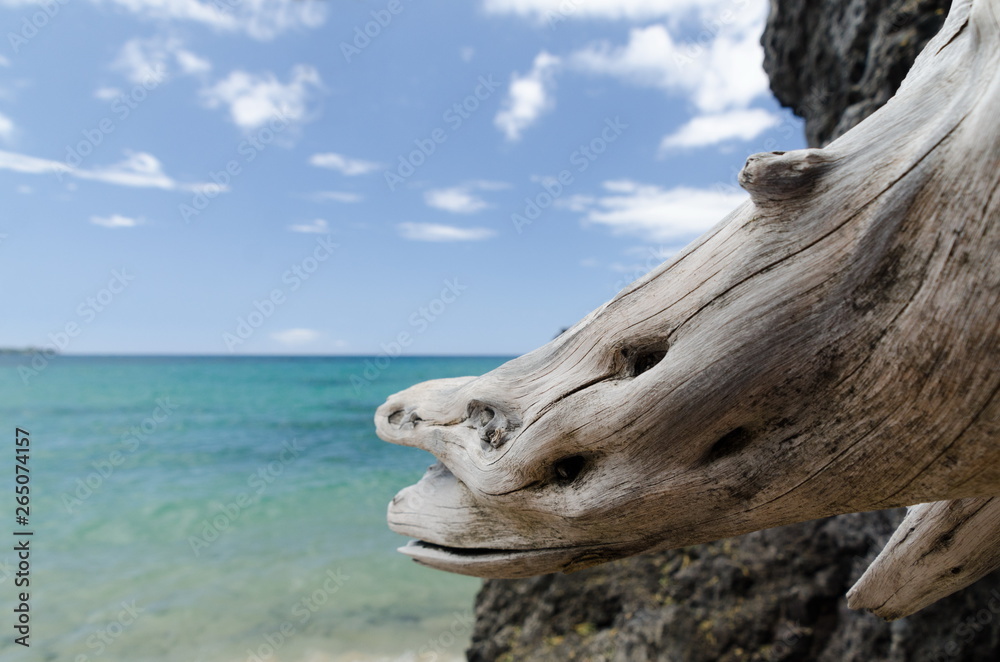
point(938, 549)
point(830, 347)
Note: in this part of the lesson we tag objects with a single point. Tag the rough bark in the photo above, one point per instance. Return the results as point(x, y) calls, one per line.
point(776, 594)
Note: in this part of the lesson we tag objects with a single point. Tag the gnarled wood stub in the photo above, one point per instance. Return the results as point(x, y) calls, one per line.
point(830, 347)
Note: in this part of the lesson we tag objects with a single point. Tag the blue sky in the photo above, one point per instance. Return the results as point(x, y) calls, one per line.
point(320, 177)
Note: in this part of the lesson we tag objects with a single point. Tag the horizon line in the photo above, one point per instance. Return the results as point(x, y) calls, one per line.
point(35, 350)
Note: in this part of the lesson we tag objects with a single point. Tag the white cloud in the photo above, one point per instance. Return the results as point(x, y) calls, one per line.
point(338, 196)
point(116, 221)
point(107, 93)
point(191, 64)
point(4, 62)
point(462, 199)
point(137, 170)
point(651, 58)
point(261, 19)
point(717, 67)
point(725, 73)
point(732, 71)
point(142, 60)
point(343, 164)
point(153, 60)
point(253, 100)
point(467, 53)
point(6, 127)
point(715, 128)
point(318, 226)
point(455, 200)
point(436, 232)
point(657, 214)
point(296, 336)
point(528, 97)
point(29, 164)
point(189, 10)
point(556, 10)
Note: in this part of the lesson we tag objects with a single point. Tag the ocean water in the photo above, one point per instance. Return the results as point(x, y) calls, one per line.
point(220, 510)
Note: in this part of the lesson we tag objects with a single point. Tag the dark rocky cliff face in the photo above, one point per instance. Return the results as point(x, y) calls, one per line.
point(775, 595)
point(770, 596)
point(835, 62)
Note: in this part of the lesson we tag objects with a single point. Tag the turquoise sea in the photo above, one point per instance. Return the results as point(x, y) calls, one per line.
point(220, 510)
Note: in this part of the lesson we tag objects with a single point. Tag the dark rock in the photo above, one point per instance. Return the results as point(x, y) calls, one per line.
point(834, 62)
point(775, 595)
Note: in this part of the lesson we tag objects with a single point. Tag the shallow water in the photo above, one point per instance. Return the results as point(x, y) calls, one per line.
point(222, 509)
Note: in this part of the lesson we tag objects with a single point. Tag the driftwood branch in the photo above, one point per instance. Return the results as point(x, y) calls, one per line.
point(938, 549)
point(830, 347)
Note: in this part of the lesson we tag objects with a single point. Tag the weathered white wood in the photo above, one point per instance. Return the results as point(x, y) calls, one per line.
point(938, 549)
point(831, 346)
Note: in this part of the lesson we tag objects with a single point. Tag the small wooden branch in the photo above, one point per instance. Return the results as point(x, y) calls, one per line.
point(938, 549)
